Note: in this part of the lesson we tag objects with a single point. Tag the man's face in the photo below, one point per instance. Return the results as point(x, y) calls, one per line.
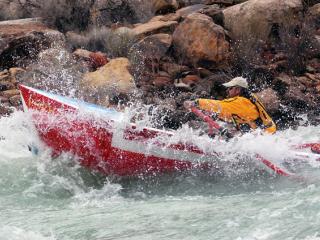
point(233, 91)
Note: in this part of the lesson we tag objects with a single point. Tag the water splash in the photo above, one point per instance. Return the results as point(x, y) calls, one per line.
point(16, 233)
point(45, 198)
point(40, 176)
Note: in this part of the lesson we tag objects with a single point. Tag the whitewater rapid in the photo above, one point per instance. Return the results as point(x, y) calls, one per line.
point(45, 198)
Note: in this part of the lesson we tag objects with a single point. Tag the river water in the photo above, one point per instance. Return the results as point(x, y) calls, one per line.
point(43, 198)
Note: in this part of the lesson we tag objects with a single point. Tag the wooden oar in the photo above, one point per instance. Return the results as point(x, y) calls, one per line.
point(211, 123)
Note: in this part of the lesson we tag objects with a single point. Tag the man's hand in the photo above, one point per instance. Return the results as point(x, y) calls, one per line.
point(189, 104)
point(224, 132)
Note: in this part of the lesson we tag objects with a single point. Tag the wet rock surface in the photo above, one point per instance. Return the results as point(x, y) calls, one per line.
point(22, 40)
point(163, 52)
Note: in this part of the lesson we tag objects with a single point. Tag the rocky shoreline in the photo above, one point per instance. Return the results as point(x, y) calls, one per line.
point(163, 52)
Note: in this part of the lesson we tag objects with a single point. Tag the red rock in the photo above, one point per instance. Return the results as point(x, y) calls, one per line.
point(95, 59)
point(162, 81)
point(98, 59)
point(191, 79)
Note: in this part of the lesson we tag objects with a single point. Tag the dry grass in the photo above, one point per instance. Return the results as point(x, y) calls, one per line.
point(114, 43)
point(77, 15)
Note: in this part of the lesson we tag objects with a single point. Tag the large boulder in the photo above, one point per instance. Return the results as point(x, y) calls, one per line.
point(199, 41)
point(259, 20)
point(23, 39)
point(113, 78)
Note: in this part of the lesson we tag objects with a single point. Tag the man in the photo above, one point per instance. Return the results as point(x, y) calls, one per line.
point(241, 108)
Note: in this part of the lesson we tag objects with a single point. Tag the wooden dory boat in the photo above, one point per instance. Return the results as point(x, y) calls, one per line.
point(125, 151)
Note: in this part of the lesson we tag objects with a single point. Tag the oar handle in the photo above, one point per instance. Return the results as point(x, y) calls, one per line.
point(212, 124)
point(206, 118)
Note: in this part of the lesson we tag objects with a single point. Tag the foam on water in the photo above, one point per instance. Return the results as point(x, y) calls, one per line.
point(15, 233)
point(45, 198)
point(15, 133)
point(38, 176)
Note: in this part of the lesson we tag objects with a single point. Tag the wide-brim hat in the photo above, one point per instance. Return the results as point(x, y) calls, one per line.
point(237, 82)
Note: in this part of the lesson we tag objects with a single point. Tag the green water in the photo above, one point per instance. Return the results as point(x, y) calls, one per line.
point(44, 198)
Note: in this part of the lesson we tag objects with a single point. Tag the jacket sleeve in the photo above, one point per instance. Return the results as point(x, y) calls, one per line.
point(227, 108)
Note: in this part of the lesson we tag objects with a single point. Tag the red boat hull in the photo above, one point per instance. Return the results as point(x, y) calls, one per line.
point(124, 152)
point(68, 125)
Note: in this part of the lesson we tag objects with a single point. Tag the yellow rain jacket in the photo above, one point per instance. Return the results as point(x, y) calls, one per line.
point(241, 111)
